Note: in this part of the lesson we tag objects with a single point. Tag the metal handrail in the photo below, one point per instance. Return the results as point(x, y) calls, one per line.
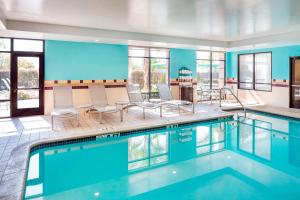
point(224, 89)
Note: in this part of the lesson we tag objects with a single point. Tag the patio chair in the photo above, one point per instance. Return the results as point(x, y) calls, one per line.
point(4, 88)
point(6, 82)
point(203, 94)
point(99, 102)
point(136, 99)
point(5, 91)
point(167, 99)
point(63, 106)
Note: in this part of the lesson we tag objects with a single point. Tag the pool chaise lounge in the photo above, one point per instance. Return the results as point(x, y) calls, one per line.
point(63, 106)
point(100, 103)
point(168, 100)
point(136, 99)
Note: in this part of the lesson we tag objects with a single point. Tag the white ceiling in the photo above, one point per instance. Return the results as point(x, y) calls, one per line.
point(215, 20)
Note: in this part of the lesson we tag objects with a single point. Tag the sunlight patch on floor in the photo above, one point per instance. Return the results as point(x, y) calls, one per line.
point(8, 128)
point(36, 122)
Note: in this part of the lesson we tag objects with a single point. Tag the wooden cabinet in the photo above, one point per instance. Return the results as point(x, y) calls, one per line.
point(186, 93)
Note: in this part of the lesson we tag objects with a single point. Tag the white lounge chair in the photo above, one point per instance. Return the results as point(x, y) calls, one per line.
point(136, 99)
point(99, 102)
point(63, 106)
point(167, 99)
point(4, 92)
point(6, 82)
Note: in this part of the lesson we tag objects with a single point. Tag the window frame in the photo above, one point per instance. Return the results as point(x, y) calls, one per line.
point(148, 56)
point(13, 54)
point(211, 60)
point(253, 77)
point(10, 52)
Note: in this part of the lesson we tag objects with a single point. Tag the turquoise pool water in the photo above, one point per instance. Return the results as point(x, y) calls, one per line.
point(257, 157)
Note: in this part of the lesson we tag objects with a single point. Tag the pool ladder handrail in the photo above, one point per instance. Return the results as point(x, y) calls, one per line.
point(238, 100)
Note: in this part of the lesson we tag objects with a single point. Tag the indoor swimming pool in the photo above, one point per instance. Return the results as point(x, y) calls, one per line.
point(237, 158)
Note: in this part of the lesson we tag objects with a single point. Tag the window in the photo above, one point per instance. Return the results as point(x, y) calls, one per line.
point(5, 73)
point(263, 71)
point(4, 44)
point(246, 72)
point(148, 67)
point(210, 69)
point(255, 71)
point(28, 45)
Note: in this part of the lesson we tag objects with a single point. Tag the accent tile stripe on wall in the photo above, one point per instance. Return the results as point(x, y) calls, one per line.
point(275, 82)
point(83, 84)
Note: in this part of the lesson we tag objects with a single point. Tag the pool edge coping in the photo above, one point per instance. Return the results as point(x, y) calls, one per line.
point(273, 113)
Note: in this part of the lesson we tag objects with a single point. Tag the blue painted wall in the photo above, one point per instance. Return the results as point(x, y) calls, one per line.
point(93, 61)
point(280, 61)
point(85, 61)
point(182, 57)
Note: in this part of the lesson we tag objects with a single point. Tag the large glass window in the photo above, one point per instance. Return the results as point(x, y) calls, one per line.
point(246, 71)
point(255, 71)
point(263, 71)
point(5, 58)
point(148, 67)
point(210, 69)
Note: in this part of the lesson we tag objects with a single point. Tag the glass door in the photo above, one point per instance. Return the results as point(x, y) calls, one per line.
point(27, 84)
point(295, 83)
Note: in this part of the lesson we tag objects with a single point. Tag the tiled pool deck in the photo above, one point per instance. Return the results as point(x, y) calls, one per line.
point(287, 112)
point(17, 135)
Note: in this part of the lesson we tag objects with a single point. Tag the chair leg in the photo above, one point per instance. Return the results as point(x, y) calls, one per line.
point(193, 108)
point(77, 119)
point(178, 107)
point(100, 117)
point(52, 122)
point(160, 110)
point(89, 112)
point(144, 115)
point(121, 114)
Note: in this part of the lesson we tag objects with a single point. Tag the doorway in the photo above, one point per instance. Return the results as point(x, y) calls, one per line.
point(295, 82)
point(21, 77)
point(27, 84)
